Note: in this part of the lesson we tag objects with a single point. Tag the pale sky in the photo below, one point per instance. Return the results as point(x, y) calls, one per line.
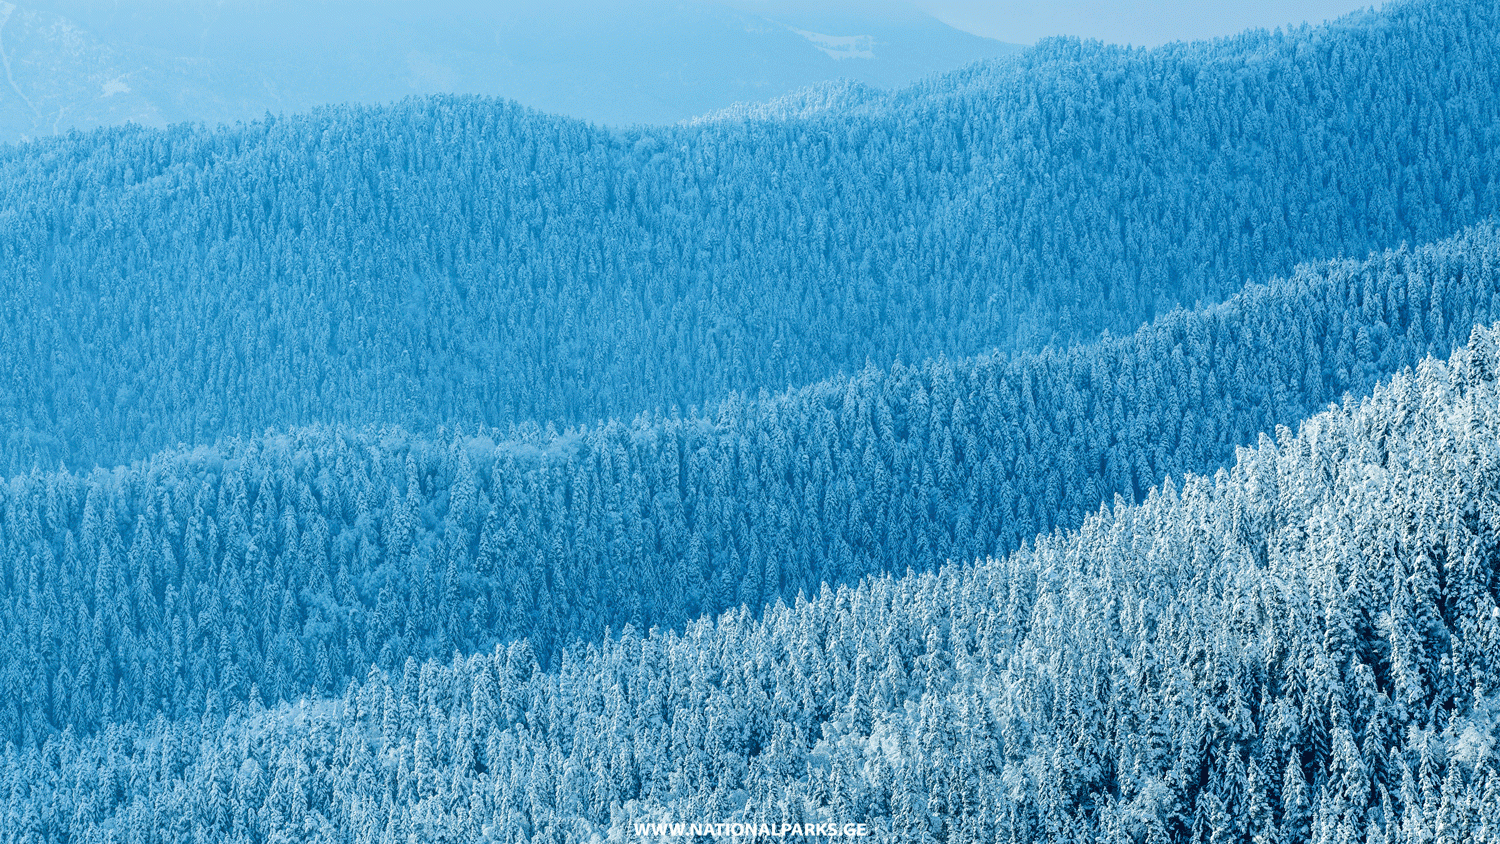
point(1141, 24)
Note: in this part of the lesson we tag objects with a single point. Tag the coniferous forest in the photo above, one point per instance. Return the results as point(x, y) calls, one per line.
point(1095, 444)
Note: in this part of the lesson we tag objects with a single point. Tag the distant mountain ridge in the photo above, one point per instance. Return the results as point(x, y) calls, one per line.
point(86, 63)
point(462, 260)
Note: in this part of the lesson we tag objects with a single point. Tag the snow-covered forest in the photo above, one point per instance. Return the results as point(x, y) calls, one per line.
point(1096, 444)
point(451, 260)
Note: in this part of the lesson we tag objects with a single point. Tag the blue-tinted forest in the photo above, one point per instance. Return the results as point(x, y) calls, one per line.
point(293, 562)
point(1095, 445)
point(452, 260)
point(1303, 648)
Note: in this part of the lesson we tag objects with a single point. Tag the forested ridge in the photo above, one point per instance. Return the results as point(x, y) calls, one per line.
point(1303, 648)
point(448, 261)
point(447, 471)
point(290, 563)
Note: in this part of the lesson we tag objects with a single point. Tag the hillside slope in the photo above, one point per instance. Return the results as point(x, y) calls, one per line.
point(460, 261)
point(296, 560)
point(1302, 648)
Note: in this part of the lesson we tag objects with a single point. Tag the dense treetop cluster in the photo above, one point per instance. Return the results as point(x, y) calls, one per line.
point(291, 563)
point(452, 261)
point(448, 471)
point(1304, 648)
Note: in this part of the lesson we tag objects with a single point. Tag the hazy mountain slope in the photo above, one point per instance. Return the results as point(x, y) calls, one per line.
point(87, 63)
point(294, 561)
point(463, 261)
point(59, 76)
point(1304, 648)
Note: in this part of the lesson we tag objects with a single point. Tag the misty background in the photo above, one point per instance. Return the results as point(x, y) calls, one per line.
point(86, 63)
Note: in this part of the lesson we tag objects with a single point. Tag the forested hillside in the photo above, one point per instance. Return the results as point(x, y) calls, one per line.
point(457, 261)
point(1305, 648)
point(924, 459)
point(291, 563)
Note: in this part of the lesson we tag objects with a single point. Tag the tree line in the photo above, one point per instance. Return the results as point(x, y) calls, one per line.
point(1301, 648)
point(288, 563)
point(462, 261)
